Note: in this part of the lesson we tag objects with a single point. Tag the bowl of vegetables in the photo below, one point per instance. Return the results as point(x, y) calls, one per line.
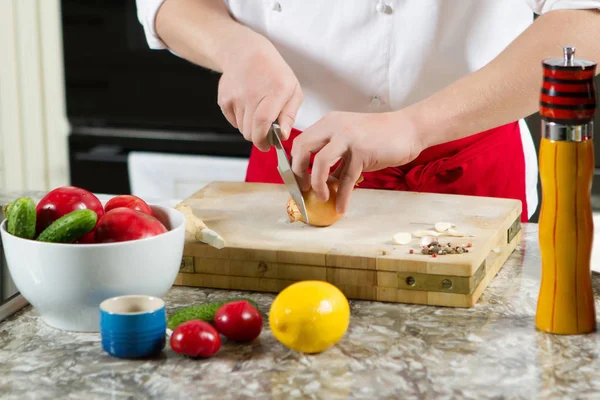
point(69, 252)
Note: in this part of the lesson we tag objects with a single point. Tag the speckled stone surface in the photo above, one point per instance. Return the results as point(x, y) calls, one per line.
point(390, 351)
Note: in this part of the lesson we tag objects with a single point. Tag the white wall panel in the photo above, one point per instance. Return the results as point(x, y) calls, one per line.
point(33, 126)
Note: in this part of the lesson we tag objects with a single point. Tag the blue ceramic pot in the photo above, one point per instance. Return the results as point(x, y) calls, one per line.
point(133, 326)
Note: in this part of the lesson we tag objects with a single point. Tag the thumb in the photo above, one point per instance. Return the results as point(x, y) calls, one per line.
point(287, 116)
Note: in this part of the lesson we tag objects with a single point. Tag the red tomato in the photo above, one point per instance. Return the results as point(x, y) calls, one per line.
point(129, 201)
point(195, 338)
point(62, 201)
point(238, 321)
point(123, 224)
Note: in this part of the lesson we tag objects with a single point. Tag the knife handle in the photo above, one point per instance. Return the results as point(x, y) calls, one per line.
point(274, 134)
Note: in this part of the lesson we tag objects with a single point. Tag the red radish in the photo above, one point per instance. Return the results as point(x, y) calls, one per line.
point(123, 224)
point(195, 338)
point(238, 321)
point(129, 201)
point(63, 200)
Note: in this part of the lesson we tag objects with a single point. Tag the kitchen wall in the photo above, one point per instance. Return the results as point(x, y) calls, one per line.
point(33, 125)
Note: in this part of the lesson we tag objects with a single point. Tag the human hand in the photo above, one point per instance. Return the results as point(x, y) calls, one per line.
point(258, 87)
point(363, 142)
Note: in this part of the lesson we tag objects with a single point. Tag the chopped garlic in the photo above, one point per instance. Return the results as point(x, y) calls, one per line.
point(422, 233)
point(426, 240)
point(443, 226)
point(402, 238)
point(454, 232)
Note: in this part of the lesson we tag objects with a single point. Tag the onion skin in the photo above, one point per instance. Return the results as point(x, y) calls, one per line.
point(319, 213)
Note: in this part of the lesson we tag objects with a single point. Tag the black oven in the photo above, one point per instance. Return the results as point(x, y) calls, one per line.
point(121, 97)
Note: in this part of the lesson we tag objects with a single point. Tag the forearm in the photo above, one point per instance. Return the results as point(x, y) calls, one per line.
point(508, 88)
point(203, 32)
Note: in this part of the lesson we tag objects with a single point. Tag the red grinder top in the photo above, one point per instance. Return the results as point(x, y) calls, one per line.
point(568, 95)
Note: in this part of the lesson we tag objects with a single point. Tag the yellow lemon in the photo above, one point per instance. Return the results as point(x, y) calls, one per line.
point(309, 316)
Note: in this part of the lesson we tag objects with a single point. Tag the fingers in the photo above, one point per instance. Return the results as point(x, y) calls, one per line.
point(225, 101)
point(348, 174)
point(234, 113)
point(332, 179)
point(282, 109)
point(324, 160)
point(229, 115)
point(249, 112)
point(252, 118)
point(303, 146)
point(265, 114)
point(239, 118)
point(336, 173)
point(287, 116)
point(253, 115)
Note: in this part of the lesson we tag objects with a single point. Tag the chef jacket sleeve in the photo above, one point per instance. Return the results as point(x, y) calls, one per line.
point(146, 13)
point(543, 6)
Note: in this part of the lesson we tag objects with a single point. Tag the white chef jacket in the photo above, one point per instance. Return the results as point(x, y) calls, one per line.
point(382, 55)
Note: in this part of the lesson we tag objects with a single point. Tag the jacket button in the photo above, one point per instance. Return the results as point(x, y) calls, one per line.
point(383, 8)
point(375, 102)
point(277, 7)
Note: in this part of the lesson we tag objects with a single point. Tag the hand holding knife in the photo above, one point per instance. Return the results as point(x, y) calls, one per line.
point(285, 169)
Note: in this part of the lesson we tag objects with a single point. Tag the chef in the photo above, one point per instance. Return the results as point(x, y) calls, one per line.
point(415, 95)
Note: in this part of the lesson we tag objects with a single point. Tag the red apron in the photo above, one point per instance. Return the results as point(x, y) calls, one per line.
point(490, 164)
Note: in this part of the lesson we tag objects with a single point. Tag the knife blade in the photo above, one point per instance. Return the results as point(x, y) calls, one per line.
point(285, 169)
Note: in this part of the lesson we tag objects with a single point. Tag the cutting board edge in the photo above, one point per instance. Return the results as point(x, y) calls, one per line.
point(352, 292)
point(187, 258)
point(495, 262)
point(496, 265)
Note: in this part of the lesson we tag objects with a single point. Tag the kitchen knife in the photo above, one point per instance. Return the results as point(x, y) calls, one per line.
point(285, 169)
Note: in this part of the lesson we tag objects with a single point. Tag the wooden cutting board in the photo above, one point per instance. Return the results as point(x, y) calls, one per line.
point(265, 252)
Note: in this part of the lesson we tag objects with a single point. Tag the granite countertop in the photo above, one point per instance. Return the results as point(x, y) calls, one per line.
point(390, 351)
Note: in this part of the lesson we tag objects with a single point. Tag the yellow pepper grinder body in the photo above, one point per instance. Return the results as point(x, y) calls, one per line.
point(566, 163)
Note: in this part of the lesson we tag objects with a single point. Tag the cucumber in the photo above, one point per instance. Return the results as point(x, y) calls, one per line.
point(205, 312)
point(6, 209)
point(21, 217)
point(69, 227)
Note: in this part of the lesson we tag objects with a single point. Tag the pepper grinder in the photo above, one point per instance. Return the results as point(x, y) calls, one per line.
point(566, 164)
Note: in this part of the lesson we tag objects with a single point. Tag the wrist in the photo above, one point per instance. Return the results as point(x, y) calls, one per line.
point(439, 121)
point(241, 45)
point(408, 124)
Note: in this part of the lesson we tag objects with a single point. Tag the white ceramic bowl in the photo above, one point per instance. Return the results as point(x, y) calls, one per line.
point(67, 282)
